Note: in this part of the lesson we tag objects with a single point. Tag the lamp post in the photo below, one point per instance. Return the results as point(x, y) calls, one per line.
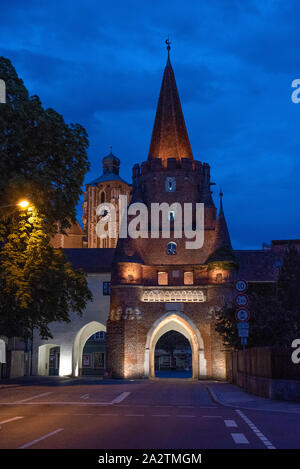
point(23, 204)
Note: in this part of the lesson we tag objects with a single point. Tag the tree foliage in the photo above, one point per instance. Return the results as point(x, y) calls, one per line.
point(44, 160)
point(274, 317)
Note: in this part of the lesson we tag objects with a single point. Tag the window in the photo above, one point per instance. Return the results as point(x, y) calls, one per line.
point(162, 278)
point(188, 278)
point(170, 184)
point(106, 288)
point(102, 197)
point(219, 278)
point(99, 335)
point(172, 249)
point(171, 215)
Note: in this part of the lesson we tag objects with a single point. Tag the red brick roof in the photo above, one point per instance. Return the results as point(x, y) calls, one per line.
point(169, 138)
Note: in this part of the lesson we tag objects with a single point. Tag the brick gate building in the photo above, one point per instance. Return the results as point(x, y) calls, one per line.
point(158, 284)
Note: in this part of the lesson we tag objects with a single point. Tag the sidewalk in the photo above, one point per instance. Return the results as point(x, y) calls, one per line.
point(230, 395)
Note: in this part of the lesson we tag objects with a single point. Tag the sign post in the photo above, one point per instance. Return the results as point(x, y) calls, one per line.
point(242, 316)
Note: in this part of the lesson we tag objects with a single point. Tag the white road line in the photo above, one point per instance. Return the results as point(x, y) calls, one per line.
point(257, 432)
point(185, 416)
point(134, 415)
point(230, 423)
point(32, 397)
point(160, 415)
point(212, 416)
point(240, 439)
point(84, 396)
point(10, 420)
point(120, 398)
point(40, 439)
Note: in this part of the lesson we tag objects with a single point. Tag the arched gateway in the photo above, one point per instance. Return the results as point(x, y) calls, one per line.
point(179, 322)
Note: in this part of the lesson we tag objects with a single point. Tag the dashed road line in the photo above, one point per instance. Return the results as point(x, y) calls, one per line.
point(32, 397)
point(230, 423)
point(31, 443)
point(10, 420)
point(84, 396)
point(257, 432)
point(240, 439)
point(120, 398)
point(134, 415)
point(185, 416)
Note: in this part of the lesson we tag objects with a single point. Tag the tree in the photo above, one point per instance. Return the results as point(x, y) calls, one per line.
point(275, 317)
point(42, 157)
point(44, 160)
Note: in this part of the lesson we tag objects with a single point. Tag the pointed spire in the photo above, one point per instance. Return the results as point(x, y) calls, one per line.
point(169, 137)
point(222, 239)
point(222, 248)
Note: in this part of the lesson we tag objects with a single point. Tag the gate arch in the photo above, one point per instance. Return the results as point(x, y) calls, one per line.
point(181, 323)
point(80, 340)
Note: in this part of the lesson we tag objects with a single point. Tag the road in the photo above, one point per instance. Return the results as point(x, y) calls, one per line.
point(152, 414)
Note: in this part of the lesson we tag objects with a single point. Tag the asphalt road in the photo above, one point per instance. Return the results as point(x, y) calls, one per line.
point(154, 414)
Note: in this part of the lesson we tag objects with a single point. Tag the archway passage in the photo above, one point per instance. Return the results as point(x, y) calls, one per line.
point(90, 338)
point(173, 356)
point(93, 355)
point(180, 322)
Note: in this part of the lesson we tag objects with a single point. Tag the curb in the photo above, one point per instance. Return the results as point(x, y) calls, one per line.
point(217, 400)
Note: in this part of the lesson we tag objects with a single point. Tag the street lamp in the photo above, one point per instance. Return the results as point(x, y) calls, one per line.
point(23, 204)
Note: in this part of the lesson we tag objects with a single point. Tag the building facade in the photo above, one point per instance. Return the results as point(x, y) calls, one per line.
point(160, 284)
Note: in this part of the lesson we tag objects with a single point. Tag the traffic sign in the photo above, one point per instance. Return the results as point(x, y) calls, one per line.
point(242, 315)
point(241, 300)
point(241, 286)
point(243, 329)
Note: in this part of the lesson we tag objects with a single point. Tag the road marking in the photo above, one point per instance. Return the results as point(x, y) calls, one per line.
point(212, 416)
point(10, 420)
point(32, 397)
point(40, 439)
point(230, 423)
point(84, 396)
point(185, 416)
point(134, 415)
point(120, 398)
point(240, 439)
point(254, 428)
point(160, 415)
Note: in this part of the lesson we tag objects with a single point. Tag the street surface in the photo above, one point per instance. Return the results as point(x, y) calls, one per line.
point(142, 414)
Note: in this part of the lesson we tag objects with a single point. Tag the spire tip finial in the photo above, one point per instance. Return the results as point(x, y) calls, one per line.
point(167, 41)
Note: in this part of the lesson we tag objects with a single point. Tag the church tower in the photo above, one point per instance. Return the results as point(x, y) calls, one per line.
point(105, 189)
point(160, 283)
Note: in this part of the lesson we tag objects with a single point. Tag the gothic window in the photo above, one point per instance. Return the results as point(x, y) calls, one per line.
point(102, 197)
point(219, 278)
point(171, 215)
point(172, 249)
point(188, 278)
point(170, 184)
point(162, 278)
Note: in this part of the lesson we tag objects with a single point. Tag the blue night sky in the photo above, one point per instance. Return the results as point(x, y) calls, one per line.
point(100, 63)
